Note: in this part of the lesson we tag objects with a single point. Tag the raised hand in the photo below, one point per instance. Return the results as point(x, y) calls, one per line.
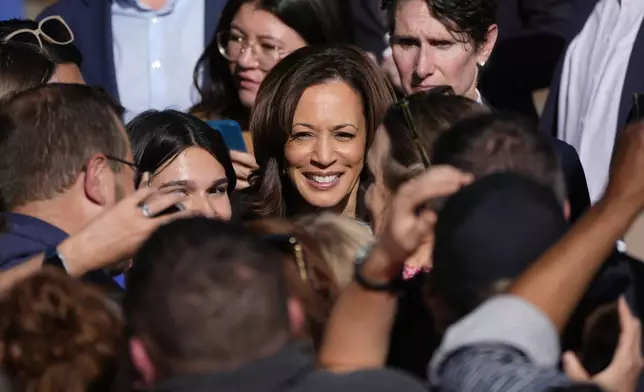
point(407, 225)
point(244, 163)
point(118, 233)
point(626, 183)
point(623, 372)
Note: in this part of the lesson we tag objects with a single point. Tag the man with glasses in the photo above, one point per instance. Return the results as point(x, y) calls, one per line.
point(65, 161)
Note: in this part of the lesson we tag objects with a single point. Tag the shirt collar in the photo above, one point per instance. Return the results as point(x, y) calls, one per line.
point(138, 5)
point(35, 229)
point(286, 367)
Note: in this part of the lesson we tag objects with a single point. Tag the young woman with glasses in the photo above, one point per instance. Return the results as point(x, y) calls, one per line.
point(252, 36)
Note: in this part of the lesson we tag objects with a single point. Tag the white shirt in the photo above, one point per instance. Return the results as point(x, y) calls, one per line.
point(155, 53)
point(590, 93)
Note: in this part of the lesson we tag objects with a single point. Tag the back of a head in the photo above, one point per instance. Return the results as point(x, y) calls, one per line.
point(487, 234)
point(496, 142)
point(206, 295)
point(22, 67)
point(431, 114)
point(309, 276)
point(58, 335)
point(60, 54)
point(340, 239)
point(47, 135)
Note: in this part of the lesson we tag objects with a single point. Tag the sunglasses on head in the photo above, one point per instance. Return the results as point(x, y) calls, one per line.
point(403, 104)
point(51, 30)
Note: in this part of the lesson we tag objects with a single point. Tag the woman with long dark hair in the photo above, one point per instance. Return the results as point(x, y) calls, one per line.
point(183, 154)
point(313, 121)
point(271, 29)
point(252, 36)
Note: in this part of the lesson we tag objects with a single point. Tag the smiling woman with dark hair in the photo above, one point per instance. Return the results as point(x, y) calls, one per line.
point(314, 119)
point(183, 154)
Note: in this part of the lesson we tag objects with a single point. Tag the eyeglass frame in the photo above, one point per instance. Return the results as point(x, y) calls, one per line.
point(132, 165)
point(38, 32)
point(403, 104)
point(245, 45)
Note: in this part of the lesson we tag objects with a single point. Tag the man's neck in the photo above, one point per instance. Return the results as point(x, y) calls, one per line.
point(59, 212)
point(155, 4)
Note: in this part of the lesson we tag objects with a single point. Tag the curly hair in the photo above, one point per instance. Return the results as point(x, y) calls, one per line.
point(57, 334)
point(467, 19)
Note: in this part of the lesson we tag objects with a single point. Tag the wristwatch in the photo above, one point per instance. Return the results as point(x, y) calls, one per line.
point(54, 259)
point(394, 286)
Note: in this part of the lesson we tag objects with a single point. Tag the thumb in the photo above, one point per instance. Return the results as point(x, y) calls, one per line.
point(573, 368)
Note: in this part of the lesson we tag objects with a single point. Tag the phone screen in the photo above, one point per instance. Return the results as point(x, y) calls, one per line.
point(231, 132)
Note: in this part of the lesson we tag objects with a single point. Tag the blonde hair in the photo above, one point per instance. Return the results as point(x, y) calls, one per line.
point(339, 239)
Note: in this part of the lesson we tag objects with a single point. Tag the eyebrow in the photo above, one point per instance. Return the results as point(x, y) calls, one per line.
point(221, 181)
point(335, 127)
point(192, 184)
point(184, 183)
point(263, 36)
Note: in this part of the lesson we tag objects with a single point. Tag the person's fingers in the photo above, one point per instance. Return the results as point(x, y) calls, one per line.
point(436, 182)
point(242, 172)
point(427, 220)
point(241, 184)
point(627, 319)
point(162, 220)
point(139, 196)
point(573, 368)
point(628, 345)
point(145, 179)
point(159, 202)
point(243, 158)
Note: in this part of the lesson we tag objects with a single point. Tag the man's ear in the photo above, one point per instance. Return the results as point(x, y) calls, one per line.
point(566, 210)
point(94, 180)
point(295, 316)
point(142, 362)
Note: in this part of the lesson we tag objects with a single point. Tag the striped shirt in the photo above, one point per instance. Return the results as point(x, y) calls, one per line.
point(505, 345)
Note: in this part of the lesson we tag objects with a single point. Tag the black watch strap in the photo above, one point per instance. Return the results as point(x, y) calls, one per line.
point(53, 259)
point(393, 286)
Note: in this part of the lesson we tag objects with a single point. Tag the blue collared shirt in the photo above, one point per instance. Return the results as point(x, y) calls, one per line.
point(26, 237)
point(155, 52)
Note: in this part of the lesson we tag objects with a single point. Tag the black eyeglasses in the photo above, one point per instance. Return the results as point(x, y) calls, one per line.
point(403, 104)
point(132, 165)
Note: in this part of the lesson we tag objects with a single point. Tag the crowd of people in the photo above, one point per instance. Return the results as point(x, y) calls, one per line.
point(321, 195)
